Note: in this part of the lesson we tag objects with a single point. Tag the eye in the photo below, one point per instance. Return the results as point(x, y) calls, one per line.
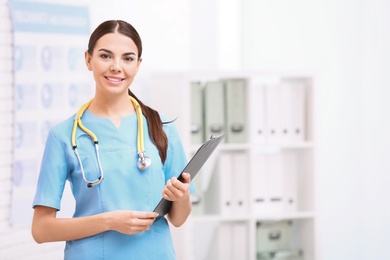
point(128, 58)
point(105, 56)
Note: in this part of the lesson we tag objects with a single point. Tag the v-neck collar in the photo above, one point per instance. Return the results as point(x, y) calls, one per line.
point(109, 121)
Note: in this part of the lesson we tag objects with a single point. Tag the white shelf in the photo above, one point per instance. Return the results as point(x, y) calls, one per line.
point(265, 217)
point(212, 219)
point(286, 216)
point(217, 218)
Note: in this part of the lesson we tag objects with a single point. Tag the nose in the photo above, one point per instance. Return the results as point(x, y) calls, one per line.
point(115, 65)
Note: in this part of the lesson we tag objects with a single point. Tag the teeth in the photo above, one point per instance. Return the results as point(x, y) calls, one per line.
point(114, 79)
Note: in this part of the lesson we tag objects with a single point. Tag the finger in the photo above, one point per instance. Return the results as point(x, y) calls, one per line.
point(144, 215)
point(175, 187)
point(168, 194)
point(186, 177)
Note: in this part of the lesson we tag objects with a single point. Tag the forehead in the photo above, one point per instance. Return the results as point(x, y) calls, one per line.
point(116, 42)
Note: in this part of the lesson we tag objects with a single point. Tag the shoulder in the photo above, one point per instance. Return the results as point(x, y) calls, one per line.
point(63, 130)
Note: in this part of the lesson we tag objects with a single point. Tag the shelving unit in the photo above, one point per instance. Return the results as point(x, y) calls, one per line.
point(255, 195)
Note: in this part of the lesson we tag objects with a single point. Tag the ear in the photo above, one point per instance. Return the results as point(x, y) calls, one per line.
point(139, 63)
point(88, 58)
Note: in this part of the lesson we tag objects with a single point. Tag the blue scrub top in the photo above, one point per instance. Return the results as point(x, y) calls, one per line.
point(124, 187)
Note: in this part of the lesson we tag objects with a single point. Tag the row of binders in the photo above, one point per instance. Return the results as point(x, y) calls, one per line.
point(225, 241)
point(249, 110)
point(275, 181)
point(235, 191)
point(219, 107)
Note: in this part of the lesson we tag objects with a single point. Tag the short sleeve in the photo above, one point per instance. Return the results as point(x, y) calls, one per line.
point(53, 174)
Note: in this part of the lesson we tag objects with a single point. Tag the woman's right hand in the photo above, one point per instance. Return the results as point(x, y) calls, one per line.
point(131, 222)
point(46, 227)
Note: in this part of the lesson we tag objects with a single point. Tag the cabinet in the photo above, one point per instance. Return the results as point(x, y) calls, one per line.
point(255, 195)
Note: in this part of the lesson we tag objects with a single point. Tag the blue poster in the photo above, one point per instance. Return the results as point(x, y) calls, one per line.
point(51, 82)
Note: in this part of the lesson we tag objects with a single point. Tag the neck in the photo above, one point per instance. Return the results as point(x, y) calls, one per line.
point(114, 108)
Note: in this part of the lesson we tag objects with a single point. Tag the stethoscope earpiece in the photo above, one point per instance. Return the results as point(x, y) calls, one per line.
point(143, 161)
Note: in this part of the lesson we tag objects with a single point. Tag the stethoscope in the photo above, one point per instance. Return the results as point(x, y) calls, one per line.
point(143, 160)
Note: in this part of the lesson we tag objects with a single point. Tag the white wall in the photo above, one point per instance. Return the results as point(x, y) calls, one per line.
point(163, 26)
point(345, 43)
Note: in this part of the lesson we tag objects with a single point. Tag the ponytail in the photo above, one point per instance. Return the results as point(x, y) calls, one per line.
point(156, 132)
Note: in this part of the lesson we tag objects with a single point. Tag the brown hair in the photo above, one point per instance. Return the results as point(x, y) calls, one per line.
point(156, 132)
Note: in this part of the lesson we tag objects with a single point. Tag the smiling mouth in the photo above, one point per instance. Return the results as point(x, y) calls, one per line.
point(114, 79)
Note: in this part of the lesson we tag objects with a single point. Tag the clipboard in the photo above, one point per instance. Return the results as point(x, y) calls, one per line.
point(193, 167)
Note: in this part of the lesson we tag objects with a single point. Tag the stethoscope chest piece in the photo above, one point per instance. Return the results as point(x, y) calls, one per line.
point(143, 161)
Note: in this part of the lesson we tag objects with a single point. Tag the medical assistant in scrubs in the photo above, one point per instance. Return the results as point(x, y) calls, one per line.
point(124, 186)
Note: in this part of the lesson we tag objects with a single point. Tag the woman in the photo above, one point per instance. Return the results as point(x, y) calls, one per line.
point(113, 218)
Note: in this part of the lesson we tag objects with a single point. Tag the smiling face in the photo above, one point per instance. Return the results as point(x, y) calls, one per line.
point(114, 62)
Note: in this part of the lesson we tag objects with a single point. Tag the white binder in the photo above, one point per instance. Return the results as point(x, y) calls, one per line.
point(240, 241)
point(273, 113)
point(239, 165)
point(232, 241)
point(291, 181)
point(258, 112)
point(298, 110)
point(226, 175)
point(259, 185)
point(225, 242)
point(286, 112)
point(275, 176)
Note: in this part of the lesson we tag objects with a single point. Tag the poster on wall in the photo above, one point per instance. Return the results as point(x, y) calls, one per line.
point(51, 82)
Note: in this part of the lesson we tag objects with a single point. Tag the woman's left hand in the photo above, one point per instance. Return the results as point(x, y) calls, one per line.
point(176, 190)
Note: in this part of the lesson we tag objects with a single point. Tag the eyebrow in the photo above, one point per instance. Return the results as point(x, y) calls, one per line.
point(124, 54)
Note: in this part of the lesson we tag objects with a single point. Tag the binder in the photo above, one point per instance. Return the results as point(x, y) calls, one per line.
point(258, 112)
point(240, 241)
point(259, 185)
point(239, 166)
point(298, 110)
point(196, 103)
point(225, 182)
point(236, 110)
point(228, 193)
point(225, 242)
point(214, 108)
point(286, 112)
point(232, 242)
point(293, 106)
point(291, 181)
point(193, 167)
point(272, 104)
point(275, 180)
point(205, 239)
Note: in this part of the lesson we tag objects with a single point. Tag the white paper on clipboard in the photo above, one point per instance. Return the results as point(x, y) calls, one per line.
point(193, 167)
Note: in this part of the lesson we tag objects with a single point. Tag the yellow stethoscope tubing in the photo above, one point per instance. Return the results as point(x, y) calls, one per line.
point(140, 135)
point(78, 123)
point(143, 160)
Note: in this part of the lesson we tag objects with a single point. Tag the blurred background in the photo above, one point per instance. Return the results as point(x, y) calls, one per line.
point(343, 45)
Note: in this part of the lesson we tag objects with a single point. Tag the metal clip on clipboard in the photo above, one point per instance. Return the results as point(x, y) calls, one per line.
point(193, 167)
